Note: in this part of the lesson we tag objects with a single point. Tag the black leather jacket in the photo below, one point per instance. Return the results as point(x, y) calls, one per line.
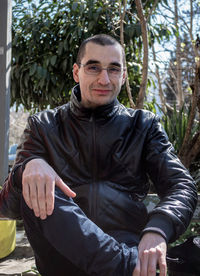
point(107, 156)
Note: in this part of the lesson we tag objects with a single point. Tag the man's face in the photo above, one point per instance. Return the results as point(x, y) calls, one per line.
point(101, 88)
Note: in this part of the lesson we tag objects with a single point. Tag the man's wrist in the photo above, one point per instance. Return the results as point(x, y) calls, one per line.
point(17, 172)
point(160, 224)
point(155, 230)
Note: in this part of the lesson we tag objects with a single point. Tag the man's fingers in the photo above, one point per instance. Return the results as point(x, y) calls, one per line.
point(152, 262)
point(152, 252)
point(66, 190)
point(34, 199)
point(26, 195)
point(136, 271)
point(38, 181)
point(162, 265)
point(50, 198)
point(144, 258)
point(41, 196)
point(148, 261)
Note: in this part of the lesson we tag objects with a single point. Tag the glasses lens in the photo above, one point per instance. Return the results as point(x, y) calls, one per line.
point(95, 69)
point(92, 69)
point(114, 71)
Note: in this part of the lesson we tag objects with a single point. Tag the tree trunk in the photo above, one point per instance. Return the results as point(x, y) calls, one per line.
point(192, 154)
point(178, 60)
point(142, 92)
point(122, 15)
point(191, 148)
point(162, 97)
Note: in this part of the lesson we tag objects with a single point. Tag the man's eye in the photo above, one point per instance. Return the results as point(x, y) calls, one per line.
point(93, 68)
point(114, 69)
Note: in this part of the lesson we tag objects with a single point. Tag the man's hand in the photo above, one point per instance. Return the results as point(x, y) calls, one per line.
point(151, 251)
point(38, 186)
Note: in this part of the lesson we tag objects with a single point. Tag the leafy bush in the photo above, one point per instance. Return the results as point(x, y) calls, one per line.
point(192, 230)
point(175, 123)
point(46, 38)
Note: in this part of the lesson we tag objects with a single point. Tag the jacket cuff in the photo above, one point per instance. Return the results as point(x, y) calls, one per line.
point(17, 177)
point(18, 171)
point(160, 224)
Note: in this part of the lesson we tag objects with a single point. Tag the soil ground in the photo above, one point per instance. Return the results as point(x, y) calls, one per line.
point(21, 260)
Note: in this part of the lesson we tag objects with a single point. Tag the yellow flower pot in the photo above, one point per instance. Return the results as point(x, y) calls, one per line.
point(7, 237)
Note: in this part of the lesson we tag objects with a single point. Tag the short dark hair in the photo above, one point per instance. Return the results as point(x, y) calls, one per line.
point(100, 39)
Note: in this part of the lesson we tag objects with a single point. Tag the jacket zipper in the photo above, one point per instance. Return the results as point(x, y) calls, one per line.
point(93, 189)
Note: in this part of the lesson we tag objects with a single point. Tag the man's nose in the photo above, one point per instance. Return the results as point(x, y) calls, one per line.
point(103, 77)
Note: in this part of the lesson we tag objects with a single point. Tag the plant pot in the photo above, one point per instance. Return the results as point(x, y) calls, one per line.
point(7, 237)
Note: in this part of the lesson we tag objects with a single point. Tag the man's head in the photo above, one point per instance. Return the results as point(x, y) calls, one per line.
point(101, 39)
point(100, 70)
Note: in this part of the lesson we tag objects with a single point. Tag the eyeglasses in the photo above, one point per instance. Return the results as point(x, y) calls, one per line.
point(95, 69)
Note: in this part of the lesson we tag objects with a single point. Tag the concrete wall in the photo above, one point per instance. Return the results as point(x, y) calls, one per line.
point(5, 67)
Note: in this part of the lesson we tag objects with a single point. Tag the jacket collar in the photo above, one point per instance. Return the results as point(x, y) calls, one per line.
point(104, 111)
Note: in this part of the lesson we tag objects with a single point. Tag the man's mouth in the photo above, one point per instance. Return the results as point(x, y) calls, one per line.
point(102, 91)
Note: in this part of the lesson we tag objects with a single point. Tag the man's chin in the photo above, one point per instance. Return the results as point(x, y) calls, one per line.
point(102, 102)
point(99, 101)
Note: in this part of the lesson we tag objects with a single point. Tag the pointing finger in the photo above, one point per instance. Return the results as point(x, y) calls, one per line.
point(50, 189)
point(66, 190)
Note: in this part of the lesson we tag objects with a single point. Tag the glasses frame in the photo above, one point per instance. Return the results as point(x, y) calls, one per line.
point(102, 68)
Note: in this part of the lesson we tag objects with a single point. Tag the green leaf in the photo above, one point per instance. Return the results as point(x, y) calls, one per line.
point(60, 48)
point(47, 60)
point(74, 6)
point(53, 79)
point(53, 60)
point(39, 71)
point(41, 83)
point(32, 70)
point(91, 25)
point(130, 30)
point(82, 8)
point(26, 80)
point(64, 65)
point(33, 6)
point(65, 44)
point(138, 29)
point(99, 9)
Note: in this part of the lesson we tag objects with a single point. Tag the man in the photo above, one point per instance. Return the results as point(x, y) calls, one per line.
point(101, 154)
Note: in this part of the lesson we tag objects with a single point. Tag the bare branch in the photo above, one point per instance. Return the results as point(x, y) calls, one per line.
point(162, 98)
point(142, 92)
point(171, 88)
point(178, 59)
point(152, 10)
point(184, 148)
point(122, 16)
point(191, 17)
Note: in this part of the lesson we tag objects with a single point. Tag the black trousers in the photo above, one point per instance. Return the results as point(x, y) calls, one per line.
point(68, 243)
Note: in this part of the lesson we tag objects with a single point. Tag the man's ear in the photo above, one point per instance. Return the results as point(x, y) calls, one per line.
point(75, 72)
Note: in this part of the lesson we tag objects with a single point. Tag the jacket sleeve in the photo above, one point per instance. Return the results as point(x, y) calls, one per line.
point(31, 147)
point(173, 183)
